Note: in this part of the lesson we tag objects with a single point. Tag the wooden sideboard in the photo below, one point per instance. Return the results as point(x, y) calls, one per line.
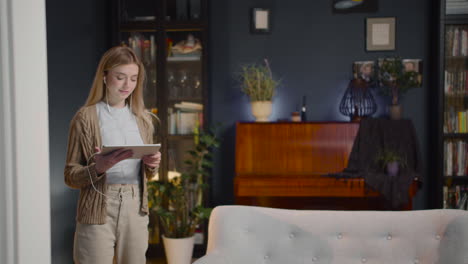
point(285, 165)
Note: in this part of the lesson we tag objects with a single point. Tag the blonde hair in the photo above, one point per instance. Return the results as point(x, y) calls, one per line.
point(116, 56)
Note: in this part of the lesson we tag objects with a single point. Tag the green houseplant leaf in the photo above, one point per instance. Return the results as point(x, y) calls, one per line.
point(179, 202)
point(257, 81)
point(394, 81)
point(386, 156)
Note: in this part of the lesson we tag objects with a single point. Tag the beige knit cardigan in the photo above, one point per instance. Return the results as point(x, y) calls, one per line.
point(83, 137)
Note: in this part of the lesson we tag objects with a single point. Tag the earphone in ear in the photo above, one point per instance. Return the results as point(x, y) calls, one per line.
point(105, 81)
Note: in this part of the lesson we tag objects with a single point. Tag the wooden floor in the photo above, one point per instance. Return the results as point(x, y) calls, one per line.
point(159, 261)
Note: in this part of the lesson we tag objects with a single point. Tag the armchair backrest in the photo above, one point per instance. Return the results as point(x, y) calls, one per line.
point(244, 234)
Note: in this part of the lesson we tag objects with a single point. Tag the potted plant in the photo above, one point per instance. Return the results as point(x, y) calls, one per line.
point(178, 202)
point(396, 77)
point(391, 161)
point(258, 83)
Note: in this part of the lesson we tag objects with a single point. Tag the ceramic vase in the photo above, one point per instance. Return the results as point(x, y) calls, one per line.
point(261, 110)
point(395, 112)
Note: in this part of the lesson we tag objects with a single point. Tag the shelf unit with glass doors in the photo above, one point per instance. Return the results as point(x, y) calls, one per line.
point(170, 36)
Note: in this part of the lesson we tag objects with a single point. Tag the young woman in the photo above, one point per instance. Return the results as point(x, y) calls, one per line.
point(112, 211)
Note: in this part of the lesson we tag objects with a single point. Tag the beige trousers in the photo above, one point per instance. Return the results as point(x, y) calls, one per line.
point(123, 239)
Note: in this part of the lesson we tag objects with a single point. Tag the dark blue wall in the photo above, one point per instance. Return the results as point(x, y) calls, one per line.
point(312, 50)
point(76, 38)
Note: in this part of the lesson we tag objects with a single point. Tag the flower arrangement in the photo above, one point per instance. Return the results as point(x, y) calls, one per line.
point(257, 81)
point(397, 76)
point(179, 202)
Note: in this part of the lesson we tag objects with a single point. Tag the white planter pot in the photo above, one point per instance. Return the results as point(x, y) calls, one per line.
point(261, 110)
point(178, 250)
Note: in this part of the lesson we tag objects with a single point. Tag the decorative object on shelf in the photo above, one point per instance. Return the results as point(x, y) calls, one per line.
point(195, 9)
point(257, 81)
point(380, 33)
point(295, 117)
point(181, 9)
point(354, 6)
point(178, 202)
point(357, 101)
point(260, 20)
point(391, 161)
point(304, 109)
point(396, 77)
point(261, 110)
point(189, 49)
point(137, 11)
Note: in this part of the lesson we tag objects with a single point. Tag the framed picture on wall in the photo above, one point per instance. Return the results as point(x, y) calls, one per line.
point(260, 21)
point(364, 70)
point(380, 33)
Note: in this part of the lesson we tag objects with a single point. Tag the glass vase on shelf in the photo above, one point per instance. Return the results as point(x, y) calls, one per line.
point(172, 85)
point(197, 93)
point(183, 83)
point(138, 10)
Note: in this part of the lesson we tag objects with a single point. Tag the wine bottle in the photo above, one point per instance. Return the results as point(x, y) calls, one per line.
point(303, 109)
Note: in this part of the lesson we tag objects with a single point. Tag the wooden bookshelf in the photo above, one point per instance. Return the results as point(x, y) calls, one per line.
point(451, 152)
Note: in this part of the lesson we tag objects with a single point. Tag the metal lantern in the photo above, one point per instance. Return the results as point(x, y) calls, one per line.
point(357, 101)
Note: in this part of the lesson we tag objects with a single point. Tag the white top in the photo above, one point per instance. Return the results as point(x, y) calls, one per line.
point(118, 127)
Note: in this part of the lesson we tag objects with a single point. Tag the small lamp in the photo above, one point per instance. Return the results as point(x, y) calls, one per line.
point(358, 102)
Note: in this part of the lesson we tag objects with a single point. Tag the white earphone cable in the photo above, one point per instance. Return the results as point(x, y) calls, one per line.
point(91, 178)
point(92, 156)
point(107, 101)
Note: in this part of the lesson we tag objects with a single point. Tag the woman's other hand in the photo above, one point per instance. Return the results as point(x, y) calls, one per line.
point(107, 161)
point(152, 161)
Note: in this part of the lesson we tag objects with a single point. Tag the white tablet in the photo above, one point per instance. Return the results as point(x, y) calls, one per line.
point(138, 150)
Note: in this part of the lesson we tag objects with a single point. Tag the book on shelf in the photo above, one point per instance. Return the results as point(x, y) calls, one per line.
point(457, 41)
point(185, 58)
point(455, 197)
point(185, 117)
point(189, 106)
point(458, 122)
point(456, 158)
point(144, 47)
point(143, 18)
point(456, 83)
point(456, 9)
point(463, 202)
point(186, 122)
